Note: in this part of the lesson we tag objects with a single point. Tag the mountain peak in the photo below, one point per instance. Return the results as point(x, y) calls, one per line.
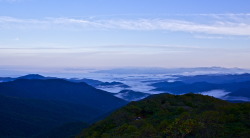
point(32, 76)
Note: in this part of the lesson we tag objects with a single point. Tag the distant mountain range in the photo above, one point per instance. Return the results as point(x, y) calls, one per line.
point(92, 82)
point(176, 71)
point(213, 78)
point(29, 77)
point(179, 87)
point(235, 85)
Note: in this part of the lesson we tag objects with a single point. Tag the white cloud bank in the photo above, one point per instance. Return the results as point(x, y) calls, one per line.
point(228, 25)
point(216, 93)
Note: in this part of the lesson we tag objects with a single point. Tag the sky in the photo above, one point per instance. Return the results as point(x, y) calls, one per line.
point(124, 33)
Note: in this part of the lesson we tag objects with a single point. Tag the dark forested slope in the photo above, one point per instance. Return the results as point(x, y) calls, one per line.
point(61, 90)
point(189, 115)
point(31, 107)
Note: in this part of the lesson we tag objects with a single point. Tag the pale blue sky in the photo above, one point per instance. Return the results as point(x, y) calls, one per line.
point(118, 33)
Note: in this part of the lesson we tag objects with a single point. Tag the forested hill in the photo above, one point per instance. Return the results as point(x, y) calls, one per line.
point(165, 115)
point(34, 107)
point(61, 90)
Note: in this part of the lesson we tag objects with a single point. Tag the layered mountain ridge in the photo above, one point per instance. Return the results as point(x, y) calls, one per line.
point(33, 106)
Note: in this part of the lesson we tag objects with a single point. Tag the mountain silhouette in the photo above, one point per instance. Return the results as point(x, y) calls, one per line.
point(31, 107)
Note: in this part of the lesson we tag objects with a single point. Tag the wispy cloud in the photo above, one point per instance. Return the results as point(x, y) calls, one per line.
point(45, 50)
point(231, 24)
point(209, 37)
point(117, 49)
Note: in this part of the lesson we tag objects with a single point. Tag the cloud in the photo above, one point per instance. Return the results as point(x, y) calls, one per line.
point(100, 50)
point(216, 93)
point(47, 50)
point(231, 24)
point(143, 49)
point(210, 37)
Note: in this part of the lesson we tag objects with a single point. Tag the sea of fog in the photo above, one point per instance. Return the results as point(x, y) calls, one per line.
point(136, 81)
